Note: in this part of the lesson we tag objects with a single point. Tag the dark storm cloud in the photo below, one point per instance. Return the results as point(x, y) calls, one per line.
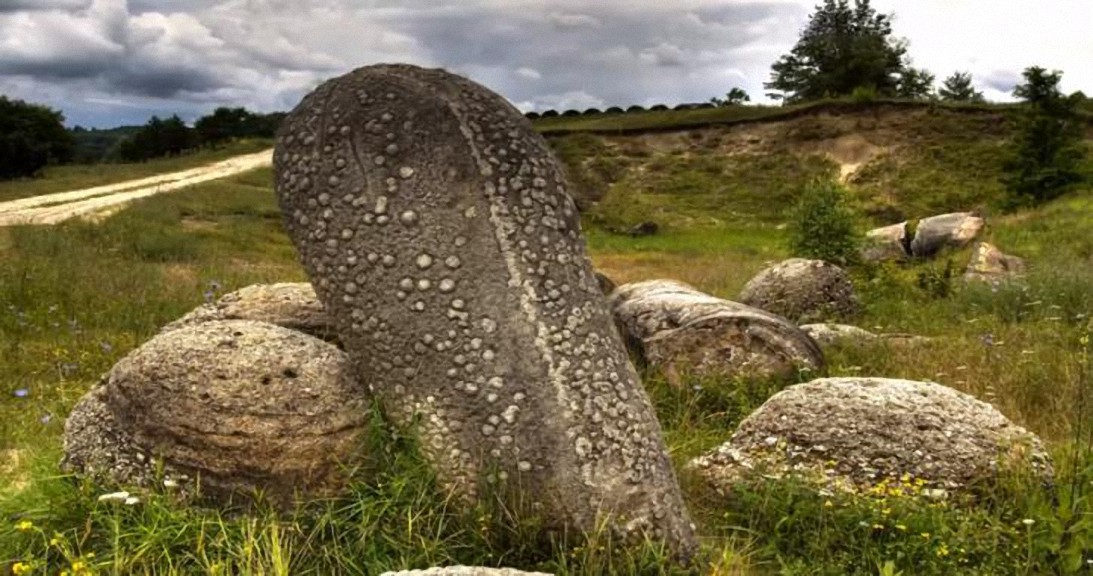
point(27, 5)
point(602, 54)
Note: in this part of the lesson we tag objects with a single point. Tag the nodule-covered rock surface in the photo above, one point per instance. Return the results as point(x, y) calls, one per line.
point(855, 433)
point(436, 228)
point(237, 405)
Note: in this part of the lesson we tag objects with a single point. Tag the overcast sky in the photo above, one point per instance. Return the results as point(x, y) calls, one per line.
point(111, 62)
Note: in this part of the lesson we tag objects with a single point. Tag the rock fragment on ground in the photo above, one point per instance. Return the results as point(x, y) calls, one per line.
point(989, 264)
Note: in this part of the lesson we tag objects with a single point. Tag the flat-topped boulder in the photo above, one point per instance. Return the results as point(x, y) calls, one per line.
point(239, 406)
point(435, 226)
point(856, 433)
point(680, 329)
point(804, 291)
point(292, 305)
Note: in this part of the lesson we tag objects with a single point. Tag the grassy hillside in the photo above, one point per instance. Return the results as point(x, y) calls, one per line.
point(78, 297)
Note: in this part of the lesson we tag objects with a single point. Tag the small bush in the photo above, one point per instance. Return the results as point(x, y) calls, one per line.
point(864, 94)
point(824, 226)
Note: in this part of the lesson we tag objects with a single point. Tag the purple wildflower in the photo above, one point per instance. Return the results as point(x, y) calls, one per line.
point(21, 393)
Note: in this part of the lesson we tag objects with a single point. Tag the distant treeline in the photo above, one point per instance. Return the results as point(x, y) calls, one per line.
point(616, 110)
point(33, 136)
point(171, 136)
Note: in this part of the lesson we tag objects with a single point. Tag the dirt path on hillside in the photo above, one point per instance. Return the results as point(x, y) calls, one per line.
point(101, 201)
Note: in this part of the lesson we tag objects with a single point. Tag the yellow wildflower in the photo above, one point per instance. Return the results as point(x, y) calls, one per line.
point(20, 568)
point(925, 535)
point(24, 526)
point(942, 551)
point(56, 540)
point(878, 526)
point(828, 504)
point(901, 527)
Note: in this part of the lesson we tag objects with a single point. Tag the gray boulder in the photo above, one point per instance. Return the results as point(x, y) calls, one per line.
point(292, 305)
point(989, 264)
point(435, 226)
point(465, 571)
point(240, 406)
point(855, 433)
point(804, 291)
point(887, 243)
point(679, 329)
point(954, 230)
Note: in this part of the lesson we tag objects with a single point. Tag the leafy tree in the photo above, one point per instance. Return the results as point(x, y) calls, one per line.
point(1047, 151)
point(226, 124)
point(31, 136)
point(842, 48)
point(915, 84)
point(222, 125)
point(958, 88)
point(824, 226)
point(157, 138)
point(735, 97)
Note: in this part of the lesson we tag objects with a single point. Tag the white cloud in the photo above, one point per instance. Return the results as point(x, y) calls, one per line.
point(574, 20)
point(529, 73)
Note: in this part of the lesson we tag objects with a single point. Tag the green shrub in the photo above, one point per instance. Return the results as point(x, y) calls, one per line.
point(824, 226)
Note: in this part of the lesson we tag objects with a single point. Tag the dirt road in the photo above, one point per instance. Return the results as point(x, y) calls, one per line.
point(105, 200)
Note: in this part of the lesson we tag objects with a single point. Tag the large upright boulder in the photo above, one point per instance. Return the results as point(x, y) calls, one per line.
point(804, 291)
point(436, 228)
point(677, 328)
point(856, 433)
point(239, 406)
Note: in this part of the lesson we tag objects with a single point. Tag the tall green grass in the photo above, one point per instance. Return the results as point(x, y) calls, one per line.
point(79, 176)
point(77, 297)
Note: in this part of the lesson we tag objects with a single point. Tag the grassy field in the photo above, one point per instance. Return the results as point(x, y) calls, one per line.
point(77, 297)
point(79, 176)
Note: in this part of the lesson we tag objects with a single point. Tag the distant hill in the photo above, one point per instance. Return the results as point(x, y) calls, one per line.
point(738, 164)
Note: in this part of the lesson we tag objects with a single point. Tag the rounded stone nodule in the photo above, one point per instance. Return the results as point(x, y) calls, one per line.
point(469, 227)
point(244, 406)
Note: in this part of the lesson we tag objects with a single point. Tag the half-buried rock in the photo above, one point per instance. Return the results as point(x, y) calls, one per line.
point(236, 406)
point(680, 329)
point(858, 433)
point(292, 305)
point(436, 228)
point(804, 291)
